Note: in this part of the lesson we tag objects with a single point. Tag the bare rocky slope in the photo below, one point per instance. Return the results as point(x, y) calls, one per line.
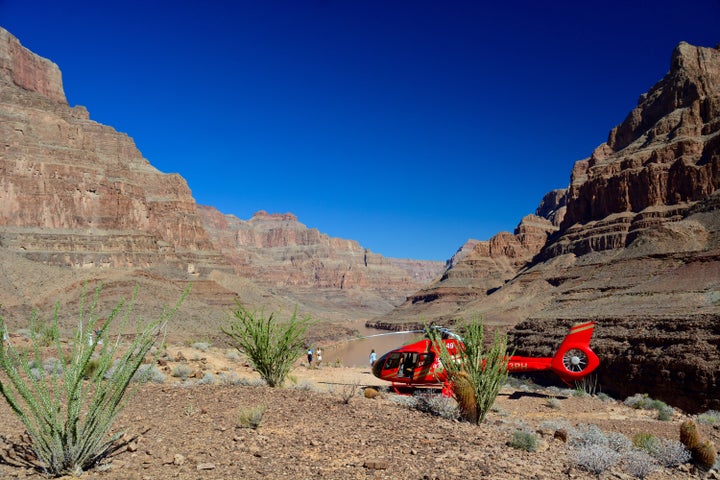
point(79, 204)
point(633, 243)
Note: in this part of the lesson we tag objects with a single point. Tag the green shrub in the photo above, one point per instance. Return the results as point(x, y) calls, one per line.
point(67, 418)
point(523, 440)
point(711, 417)
point(647, 442)
point(476, 376)
point(271, 347)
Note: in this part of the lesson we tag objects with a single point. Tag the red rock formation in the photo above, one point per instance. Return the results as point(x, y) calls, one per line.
point(281, 252)
point(75, 193)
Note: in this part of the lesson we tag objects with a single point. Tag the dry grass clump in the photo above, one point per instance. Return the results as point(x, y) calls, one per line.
point(251, 417)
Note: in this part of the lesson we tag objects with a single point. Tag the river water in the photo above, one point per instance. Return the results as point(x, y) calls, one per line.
point(356, 352)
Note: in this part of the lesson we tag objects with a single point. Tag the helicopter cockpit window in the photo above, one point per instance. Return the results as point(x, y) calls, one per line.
point(393, 361)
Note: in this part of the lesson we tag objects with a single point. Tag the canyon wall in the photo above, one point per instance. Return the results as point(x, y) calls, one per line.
point(636, 247)
point(79, 203)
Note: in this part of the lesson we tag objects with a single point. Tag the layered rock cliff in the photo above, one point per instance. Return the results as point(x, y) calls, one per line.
point(77, 196)
point(637, 249)
point(281, 253)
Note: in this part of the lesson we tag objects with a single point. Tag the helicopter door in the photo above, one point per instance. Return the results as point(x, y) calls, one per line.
point(409, 364)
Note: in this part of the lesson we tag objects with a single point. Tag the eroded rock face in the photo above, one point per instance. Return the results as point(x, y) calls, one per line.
point(78, 195)
point(279, 251)
point(476, 271)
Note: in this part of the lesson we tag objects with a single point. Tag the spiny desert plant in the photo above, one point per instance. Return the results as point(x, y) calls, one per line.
point(476, 375)
point(705, 454)
point(689, 434)
point(68, 418)
point(270, 346)
point(251, 417)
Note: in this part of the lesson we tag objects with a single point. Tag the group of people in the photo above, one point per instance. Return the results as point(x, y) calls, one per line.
point(318, 356)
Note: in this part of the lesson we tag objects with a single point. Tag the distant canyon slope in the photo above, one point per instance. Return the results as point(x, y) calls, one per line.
point(79, 203)
point(632, 243)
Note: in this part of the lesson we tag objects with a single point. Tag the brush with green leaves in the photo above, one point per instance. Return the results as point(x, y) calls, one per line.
point(69, 413)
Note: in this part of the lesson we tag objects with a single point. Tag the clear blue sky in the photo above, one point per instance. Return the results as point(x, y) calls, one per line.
point(409, 126)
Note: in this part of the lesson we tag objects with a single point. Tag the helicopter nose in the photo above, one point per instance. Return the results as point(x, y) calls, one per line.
point(377, 366)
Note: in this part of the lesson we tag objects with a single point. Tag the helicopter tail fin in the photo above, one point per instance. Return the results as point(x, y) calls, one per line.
point(574, 358)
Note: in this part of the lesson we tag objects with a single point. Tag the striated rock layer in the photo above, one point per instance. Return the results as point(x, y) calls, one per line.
point(79, 203)
point(636, 248)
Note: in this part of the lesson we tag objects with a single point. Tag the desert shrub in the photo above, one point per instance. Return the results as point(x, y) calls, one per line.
point(436, 404)
point(181, 371)
point(586, 435)
point(149, 373)
point(638, 401)
point(232, 378)
point(207, 379)
point(476, 375)
point(347, 392)
point(554, 425)
point(638, 463)
point(595, 458)
point(202, 346)
point(251, 417)
point(647, 442)
point(271, 347)
point(232, 355)
point(618, 442)
point(306, 386)
point(524, 440)
point(711, 417)
point(605, 397)
point(586, 386)
point(671, 453)
point(553, 403)
point(53, 366)
point(665, 413)
point(68, 418)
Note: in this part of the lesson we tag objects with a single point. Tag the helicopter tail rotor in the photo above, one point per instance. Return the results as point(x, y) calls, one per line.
point(575, 359)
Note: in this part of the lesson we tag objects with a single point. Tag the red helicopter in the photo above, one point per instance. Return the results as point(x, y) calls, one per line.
point(418, 364)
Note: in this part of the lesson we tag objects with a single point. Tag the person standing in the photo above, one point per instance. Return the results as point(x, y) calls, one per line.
point(318, 354)
point(373, 357)
point(310, 355)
